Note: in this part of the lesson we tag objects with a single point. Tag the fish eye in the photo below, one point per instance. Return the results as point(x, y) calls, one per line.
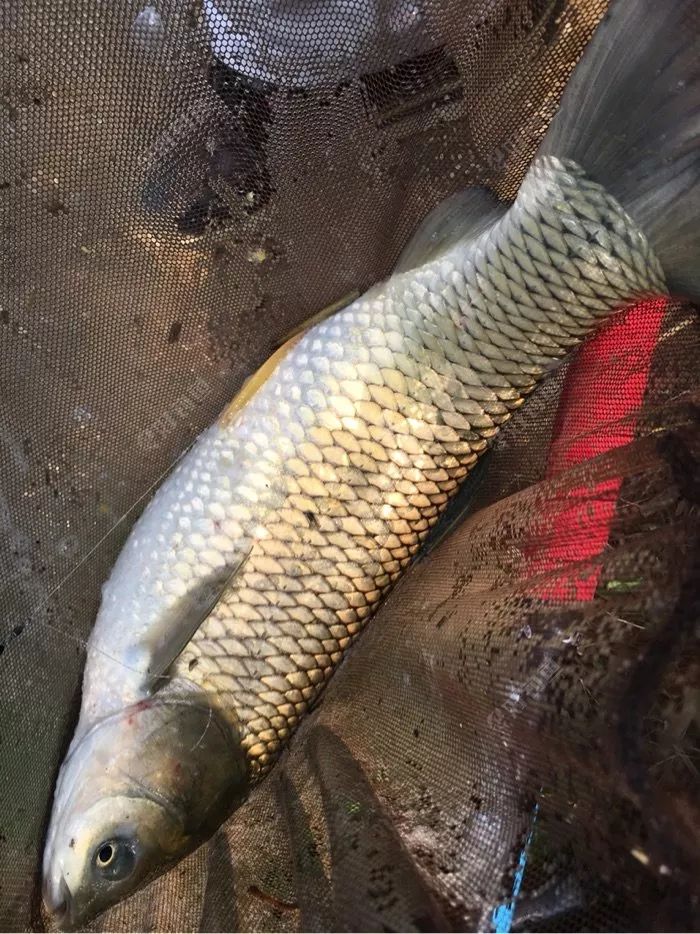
point(115, 859)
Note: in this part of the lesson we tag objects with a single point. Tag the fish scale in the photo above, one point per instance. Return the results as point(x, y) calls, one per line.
point(328, 480)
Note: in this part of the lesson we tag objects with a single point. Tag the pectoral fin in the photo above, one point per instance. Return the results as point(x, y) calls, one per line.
point(177, 627)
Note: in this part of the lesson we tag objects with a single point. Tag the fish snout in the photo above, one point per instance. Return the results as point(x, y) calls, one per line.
point(57, 899)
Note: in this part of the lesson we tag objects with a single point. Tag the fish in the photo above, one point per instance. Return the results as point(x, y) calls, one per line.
point(270, 546)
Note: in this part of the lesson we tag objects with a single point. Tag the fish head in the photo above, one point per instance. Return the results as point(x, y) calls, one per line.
point(137, 791)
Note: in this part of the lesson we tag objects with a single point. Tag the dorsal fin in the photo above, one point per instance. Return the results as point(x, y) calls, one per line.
point(262, 374)
point(255, 381)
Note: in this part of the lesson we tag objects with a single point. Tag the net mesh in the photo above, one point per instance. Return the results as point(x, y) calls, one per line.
point(513, 742)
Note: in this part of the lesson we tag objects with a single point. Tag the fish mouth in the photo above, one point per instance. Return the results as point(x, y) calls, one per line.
point(57, 902)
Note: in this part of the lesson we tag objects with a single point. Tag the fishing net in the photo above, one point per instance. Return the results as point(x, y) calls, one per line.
point(513, 742)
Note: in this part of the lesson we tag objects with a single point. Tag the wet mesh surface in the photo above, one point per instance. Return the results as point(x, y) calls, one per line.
point(520, 718)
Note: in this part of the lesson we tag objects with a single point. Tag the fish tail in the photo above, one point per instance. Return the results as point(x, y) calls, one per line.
point(630, 117)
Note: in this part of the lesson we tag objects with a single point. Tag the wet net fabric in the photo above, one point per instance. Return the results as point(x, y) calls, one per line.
point(512, 744)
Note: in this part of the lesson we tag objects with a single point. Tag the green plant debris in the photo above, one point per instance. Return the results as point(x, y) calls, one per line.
point(620, 586)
